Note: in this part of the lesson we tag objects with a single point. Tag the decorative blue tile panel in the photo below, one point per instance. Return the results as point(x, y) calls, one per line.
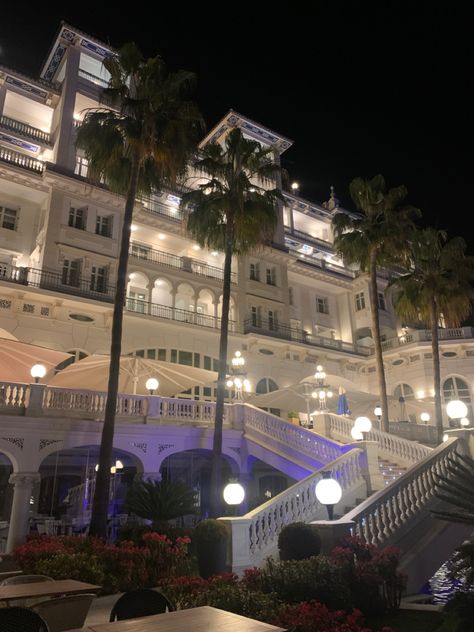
point(22, 144)
point(68, 35)
point(95, 48)
point(26, 87)
point(55, 61)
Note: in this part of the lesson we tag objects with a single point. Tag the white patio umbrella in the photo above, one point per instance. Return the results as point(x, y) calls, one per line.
point(93, 373)
point(17, 358)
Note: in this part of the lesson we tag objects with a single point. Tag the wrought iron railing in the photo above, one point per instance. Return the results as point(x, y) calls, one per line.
point(154, 206)
point(424, 335)
point(25, 130)
point(20, 160)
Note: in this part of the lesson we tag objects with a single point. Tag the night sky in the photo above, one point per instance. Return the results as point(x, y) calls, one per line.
point(361, 87)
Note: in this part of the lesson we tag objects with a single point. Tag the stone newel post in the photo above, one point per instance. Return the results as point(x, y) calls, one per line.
point(22, 487)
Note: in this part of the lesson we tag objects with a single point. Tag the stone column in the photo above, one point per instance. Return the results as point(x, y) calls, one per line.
point(35, 400)
point(23, 486)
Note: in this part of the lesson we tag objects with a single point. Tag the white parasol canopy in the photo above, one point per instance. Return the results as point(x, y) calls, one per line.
point(17, 358)
point(93, 373)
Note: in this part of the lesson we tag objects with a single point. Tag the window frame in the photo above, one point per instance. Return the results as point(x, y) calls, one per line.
point(359, 300)
point(4, 210)
point(322, 305)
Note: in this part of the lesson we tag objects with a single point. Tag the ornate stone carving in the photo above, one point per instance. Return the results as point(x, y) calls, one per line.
point(141, 446)
point(24, 479)
point(17, 441)
point(44, 443)
point(164, 446)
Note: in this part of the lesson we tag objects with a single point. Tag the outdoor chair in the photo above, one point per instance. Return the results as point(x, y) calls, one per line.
point(65, 613)
point(140, 603)
point(25, 579)
point(17, 619)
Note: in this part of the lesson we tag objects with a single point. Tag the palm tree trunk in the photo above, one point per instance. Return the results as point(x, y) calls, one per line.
point(377, 340)
point(216, 467)
point(98, 525)
point(436, 368)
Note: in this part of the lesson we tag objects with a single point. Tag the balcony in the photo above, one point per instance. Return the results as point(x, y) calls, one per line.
point(16, 159)
point(98, 81)
point(424, 335)
point(155, 207)
point(264, 327)
point(176, 314)
point(144, 253)
point(25, 130)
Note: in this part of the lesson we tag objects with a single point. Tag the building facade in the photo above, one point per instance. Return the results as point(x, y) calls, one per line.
point(294, 303)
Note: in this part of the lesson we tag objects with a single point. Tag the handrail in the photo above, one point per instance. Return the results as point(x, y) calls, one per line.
point(424, 335)
point(21, 160)
point(390, 511)
point(397, 447)
point(25, 130)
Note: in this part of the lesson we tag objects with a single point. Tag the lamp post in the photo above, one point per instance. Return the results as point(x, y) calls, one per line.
point(323, 391)
point(38, 371)
point(234, 495)
point(425, 417)
point(378, 412)
point(456, 410)
point(151, 385)
point(328, 492)
point(363, 425)
point(465, 422)
point(238, 380)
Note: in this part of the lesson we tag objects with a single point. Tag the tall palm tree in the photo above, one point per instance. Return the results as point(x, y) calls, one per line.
point(377, 236)
point(233, 212)
point(140, 140)
point(437, 284)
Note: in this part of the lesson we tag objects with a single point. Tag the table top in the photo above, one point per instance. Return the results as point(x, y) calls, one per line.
point(45, 589)
point(202, 619)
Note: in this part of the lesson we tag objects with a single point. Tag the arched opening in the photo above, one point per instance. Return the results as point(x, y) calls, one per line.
point(264, 482)
point(184, 302)
point(267, 385)
point(231, 308)
point(76, 355)
point(205, 308)
point(405, 391)
point(456, 388)
point(137, 292)
point(162, 292)
point(193, 467)
point(64, 501)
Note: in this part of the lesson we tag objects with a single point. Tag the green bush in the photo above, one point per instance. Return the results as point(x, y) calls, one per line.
point(80, 566)
point(459, 613)
point(210, 531)
point(298, 541)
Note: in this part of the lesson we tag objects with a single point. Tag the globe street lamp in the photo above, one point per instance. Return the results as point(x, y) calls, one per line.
point(363, 424)
point(234, 493)
point(151, 384)
point(238, 380)
point(323, 391)
point(356, 434)
point(329, 493)
point(378, 412)
point(465, 422)
point(456, 409)
point(38, 371)
point(425, 417)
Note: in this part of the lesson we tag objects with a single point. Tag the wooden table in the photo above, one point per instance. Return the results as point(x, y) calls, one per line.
point(45, 589)
point(203, 619)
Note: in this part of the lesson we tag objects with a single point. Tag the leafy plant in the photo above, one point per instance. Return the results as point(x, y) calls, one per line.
point(160, 501)
point(210, 531)
point(298, 541)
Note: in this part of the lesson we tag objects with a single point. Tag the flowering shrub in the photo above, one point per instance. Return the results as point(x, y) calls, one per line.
point(115, 568)
point(313, 616)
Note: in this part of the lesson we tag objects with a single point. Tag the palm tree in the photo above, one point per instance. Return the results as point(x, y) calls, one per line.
point(437, 284)
point(375, 237)
point(140, 140)
point(160, 501)
point(231, 212)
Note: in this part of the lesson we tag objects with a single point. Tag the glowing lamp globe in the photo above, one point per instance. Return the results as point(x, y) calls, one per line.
point(465, 422)
point(363, 424)
point(378, 411)
point(39, 370)
point(234, 493)
point(118, 465)
point(151, 384)
point(328, 491)
point(425, 417)
point(456, 409)
point(356, 434)
point(229, 383)
point(445, 438)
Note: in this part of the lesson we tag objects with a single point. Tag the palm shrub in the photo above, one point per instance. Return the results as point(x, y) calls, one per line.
point(377, 236)
point(138, 141)
point(160, 501)
point(233, 210)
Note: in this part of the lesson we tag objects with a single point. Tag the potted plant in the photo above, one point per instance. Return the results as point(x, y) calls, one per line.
point(293, 418)
point(211, 538)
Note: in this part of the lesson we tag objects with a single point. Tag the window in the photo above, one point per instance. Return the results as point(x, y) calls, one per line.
point(82, 166)
point(77, 218)
point(103, 225)
point(137, 250)
point(254, 272)
point(136, 302)
point(271, 276)
point(98, 279)
point(272, 320)
point(322, 305)
point(255, 316)
point(405, 391)
point(381, 300)
point(359, 301)
point(456, 388)
point(71, 272)
point(291, 297)
point(8, 218)
point(266, 385)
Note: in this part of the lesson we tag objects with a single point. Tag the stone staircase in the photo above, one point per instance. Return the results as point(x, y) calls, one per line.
point(390, 470)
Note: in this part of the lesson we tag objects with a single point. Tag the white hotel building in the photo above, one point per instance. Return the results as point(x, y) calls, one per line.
point(294, 304)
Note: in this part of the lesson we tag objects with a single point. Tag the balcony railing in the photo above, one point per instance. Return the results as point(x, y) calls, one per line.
point(266, 327)
point(186, 264)
point(99, 81)
point(167, 312)
point(424, 335)
point(28, 131)
point(20, 160)
point(152, 205)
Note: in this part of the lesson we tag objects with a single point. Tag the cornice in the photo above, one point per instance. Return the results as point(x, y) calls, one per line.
point(21, 176)
point(80, 187)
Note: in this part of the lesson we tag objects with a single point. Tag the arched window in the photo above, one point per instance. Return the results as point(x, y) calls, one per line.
point(405, 391)
point(266, 385)
point(76, 356)
point(457, 388)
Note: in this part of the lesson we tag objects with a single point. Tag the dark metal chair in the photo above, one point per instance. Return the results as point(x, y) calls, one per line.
point(18, 619)
point(65, 613)
point(143, 602)
point(25, 579)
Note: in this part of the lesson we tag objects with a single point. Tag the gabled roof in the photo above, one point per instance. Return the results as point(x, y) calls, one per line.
point(251, 128)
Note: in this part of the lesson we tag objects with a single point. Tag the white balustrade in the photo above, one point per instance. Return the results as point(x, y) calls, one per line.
point(261, 426)
point(401, 450)
point(255, 535)
point(13, 395)
point(388, 514)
